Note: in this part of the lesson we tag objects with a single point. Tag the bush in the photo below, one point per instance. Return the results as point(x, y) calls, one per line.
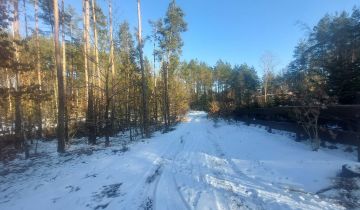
point(214, 107)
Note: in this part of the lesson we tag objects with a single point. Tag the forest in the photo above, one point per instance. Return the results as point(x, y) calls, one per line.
point(80, 75)
point(90, 81)
point(80, 91)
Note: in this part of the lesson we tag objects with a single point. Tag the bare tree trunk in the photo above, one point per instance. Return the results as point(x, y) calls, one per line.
point(18, 111)
point(112, 63)
point(97, 69)
point(90, 118)
point(61, 97)
point(155, 91)
point(64, 70)
point(56, 94)
point(25, 17)
point(358, 127)
point(128, 94)
point(85, 37)
point(107, 107)
point(155, 97)
point(111, 41)
point(164, 95)
point(24, 83)
point(38, 71)
point(143, 79)
point(167, 99)
point(265, 90)
point(112, 66)
point(8, 85)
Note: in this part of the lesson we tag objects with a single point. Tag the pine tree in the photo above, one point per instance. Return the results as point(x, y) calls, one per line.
point(144, 88)
point(38, 71)
point(19, 134)
point(170, 44)
point(60, 79)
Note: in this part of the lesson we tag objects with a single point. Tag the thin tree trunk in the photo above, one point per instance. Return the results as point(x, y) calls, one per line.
point(54, 72)
point(109, 123)
point(358, 126)
point(155, 93)
point(24, 82)
point(107, 107)
point(112, 66)
point(167, 99)
point(90, 119)
point(55, 85)
point(38, 71)
point(61, 98)
point(155, 97)
point(71, 76)
point(64, 70)
point(8, 85)
point(143, 79)
point(85, 37)
point(111, 40)
point(265, 91)
point(25, 18)
point(128, 94)
point(18, 112)
point(164, 95)
point(97, 69)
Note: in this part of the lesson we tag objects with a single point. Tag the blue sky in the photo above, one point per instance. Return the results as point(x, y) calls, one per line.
point(236, 31)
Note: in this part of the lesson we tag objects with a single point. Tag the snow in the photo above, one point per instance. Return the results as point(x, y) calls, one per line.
point(202, 164)
point(354, 169)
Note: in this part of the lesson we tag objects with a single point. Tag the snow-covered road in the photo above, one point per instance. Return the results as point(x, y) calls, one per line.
point(202, 164)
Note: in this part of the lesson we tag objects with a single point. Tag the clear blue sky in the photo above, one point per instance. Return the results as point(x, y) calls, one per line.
point(236, 31)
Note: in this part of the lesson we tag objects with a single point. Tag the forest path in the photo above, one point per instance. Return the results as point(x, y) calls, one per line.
point(202, 164)
point(195, 171)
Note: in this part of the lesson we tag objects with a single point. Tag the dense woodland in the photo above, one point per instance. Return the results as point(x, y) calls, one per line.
point(81, 75)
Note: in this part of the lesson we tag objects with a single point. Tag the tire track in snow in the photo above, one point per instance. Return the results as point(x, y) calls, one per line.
point(163, 171)
point(199, 189)
point(184, 166)
point(169, 179)
point(263, 195)
point(168, 157)
point(219, 181)
point(143, 192)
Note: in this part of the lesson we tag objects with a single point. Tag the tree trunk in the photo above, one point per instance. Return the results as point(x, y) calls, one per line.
point(164, 96)
point(112, 66)
point(38, 71)
point(25, 18)
point(97, 69)
point(64, 70)
point(90, 118)
point(85, 43)
point(167, 99)
point(111, 41)
point(155, 80)
point(265, 91)
point(358, 125)
point(8, 85)
point(155, 98)
point(106, 115)
point(128, 110)
point(61, 92)
point(18, 112)
point(143, 79)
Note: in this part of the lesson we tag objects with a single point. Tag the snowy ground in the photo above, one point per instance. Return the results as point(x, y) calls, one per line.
point(202, 164)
